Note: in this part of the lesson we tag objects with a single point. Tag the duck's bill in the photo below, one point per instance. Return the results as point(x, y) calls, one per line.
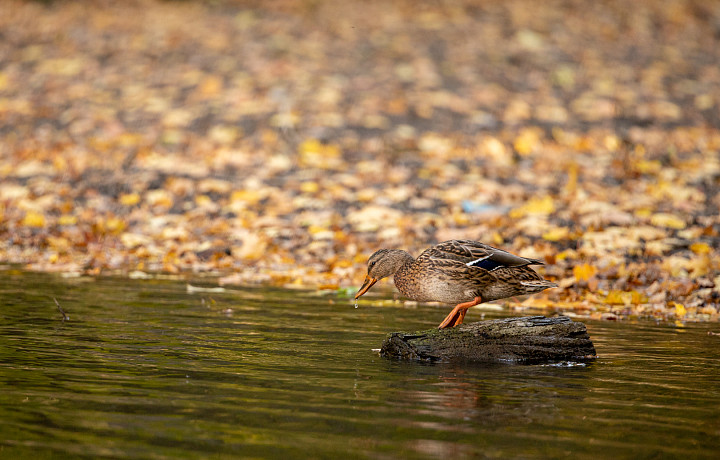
point(366, 285)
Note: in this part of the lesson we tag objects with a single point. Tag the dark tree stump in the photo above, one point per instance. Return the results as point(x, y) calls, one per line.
point(527, 340)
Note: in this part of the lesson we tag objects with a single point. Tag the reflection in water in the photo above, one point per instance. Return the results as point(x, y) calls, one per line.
point(146, 369)
point(469, 401)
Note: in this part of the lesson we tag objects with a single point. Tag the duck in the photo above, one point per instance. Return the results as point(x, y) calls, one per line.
point(461, 272)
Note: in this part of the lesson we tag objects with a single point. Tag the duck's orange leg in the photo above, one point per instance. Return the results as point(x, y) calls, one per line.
point(457, 315)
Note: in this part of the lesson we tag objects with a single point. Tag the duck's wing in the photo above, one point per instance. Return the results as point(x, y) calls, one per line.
point(476, 254)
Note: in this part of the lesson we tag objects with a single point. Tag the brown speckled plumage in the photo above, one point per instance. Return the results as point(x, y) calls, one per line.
point(457, 271)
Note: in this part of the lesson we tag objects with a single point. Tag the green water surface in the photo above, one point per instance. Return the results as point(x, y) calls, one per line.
point(147, 369)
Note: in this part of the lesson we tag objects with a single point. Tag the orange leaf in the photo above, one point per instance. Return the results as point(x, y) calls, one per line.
point(584, 272)
point(700, 248)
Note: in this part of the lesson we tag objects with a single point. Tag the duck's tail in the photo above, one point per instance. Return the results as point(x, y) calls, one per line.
point(537, 285)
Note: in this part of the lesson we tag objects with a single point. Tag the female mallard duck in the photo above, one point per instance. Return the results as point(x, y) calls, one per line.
point(458, 271)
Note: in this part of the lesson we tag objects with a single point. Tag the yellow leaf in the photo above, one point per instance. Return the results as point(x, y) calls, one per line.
point(115, 225)
point(643, 213)
point(67, 219)
point(526, 142)
point(584, 272)
point(618, 298)
point(497, 239)
point(536, 206)
point(667, 220)
point(460, 219)
point(309, 187)
point(203, 200)
point(648, 167)
point(556, 234)
point(317, 229)
point(129, 199)
point(625, 298)
point(680, 309)
point(247, 196)
point(317, 154)
point(311, 146)
point(33, 219)
point(566, 254)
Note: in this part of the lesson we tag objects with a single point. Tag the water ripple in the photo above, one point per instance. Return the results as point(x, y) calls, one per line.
point(146, 369)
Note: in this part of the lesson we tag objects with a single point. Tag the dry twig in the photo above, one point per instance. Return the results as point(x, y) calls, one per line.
point(65, 316)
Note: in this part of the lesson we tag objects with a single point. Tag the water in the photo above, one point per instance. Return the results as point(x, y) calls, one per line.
point(146, 369)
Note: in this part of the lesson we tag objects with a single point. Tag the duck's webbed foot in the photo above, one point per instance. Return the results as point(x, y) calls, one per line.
point(457, 315)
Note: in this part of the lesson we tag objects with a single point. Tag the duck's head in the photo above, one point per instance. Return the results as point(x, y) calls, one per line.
point(382, 264)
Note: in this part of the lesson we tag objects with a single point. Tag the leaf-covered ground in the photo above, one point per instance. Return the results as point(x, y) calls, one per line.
point(283, 142)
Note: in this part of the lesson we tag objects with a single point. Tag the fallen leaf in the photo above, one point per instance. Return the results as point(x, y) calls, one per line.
point(615, 297)
point(556, 234)
point(535, 206)
point(129, 199)
point(680, 309)
point(700, 248)
point(527, 141)
point(133, 240)
point(33, 219)
point(314, 153)
point(584, 272)
point(667, 220)
point(67, 219)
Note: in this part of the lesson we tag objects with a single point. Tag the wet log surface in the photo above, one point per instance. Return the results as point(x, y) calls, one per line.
point(526, 340)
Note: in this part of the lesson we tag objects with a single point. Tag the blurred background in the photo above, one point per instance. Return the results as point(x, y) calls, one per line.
point(283, 142)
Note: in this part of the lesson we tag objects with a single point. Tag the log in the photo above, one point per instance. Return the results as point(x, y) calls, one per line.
point(526, 340)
